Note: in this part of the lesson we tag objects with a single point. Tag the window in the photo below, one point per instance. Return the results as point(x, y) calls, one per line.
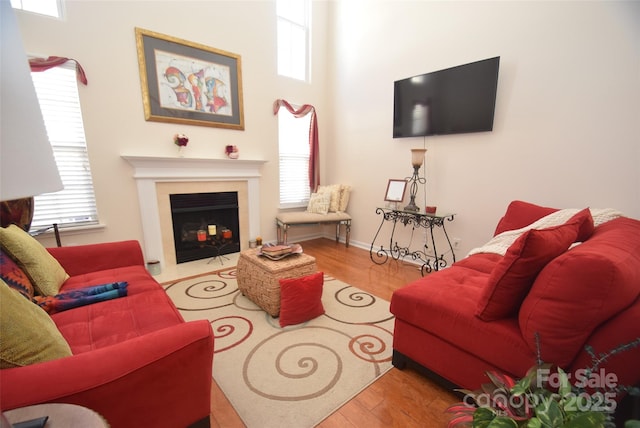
point(57, 92)
point(293, 38)
point(294, 159)
point(44, 7)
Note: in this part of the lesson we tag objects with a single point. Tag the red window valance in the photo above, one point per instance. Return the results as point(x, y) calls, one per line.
point(42, 64)
point(314, 152)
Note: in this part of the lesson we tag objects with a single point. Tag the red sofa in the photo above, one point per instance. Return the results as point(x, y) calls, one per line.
point(589, 295)
point(135, 360)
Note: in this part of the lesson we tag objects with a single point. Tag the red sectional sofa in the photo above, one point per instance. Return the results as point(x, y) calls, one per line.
point(588, 295)
point(135, 360)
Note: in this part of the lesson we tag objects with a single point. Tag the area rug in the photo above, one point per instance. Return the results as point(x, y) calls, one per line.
point(294, 376)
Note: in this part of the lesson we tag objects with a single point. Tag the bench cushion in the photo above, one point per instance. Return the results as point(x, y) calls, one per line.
point(304, 217)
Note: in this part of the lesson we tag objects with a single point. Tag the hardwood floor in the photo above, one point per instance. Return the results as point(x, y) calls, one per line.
point(399, 398)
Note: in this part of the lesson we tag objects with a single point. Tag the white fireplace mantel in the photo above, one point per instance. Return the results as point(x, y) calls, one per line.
point(150, 170)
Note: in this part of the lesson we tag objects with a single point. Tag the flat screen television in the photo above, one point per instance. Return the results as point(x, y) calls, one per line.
point(455, 100)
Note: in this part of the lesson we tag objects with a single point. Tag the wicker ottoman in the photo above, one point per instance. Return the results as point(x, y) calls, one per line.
point(258, 277)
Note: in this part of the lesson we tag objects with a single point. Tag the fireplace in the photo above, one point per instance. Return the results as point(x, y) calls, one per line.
point(159, 177)
point(205, 225)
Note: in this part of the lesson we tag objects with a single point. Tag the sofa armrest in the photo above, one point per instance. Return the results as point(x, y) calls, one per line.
point(161, 379)
point(81, 259)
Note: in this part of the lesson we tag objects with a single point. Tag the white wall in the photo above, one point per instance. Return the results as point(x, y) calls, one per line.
point(100, 35)
point(567, 124)
point(567, 115)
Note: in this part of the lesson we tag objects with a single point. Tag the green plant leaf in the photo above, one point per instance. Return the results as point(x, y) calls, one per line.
point(502, 422)
point(521, 387)
point(482, 417)
point(632, 423)
point(565, 386)
point(549, 414)
point(586, 420)
point(534, 423)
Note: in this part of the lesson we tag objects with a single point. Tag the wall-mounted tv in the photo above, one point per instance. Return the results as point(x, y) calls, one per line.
point(451, 101)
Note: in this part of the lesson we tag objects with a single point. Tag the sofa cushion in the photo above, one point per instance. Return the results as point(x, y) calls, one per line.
point(443, 303)
point(482, 262)
point(15, 277)
point(305, 217)
point(581, 289)
point(138, 278)
point(621, 329)
point(520, 214)
point(513, 276)
point(301, 299)
point(146, 308)
point(28, 334)
point(43, 270)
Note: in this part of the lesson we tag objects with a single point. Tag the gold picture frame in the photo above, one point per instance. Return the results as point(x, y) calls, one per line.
point(189, 83)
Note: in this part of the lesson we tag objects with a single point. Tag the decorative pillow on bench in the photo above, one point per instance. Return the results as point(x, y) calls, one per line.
point(339, 194)
point(319, 203)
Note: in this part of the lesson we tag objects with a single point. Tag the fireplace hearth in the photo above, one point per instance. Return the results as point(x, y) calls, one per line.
point(205, 225)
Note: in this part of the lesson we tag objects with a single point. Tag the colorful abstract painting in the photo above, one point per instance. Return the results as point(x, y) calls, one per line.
point(190, 84)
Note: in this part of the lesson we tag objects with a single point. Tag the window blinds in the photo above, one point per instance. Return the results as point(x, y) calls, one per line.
point(57, 92)
point(294, 155)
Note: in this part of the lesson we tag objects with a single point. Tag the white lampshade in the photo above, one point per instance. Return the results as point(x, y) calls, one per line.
point(27, 165)
point(417, 157)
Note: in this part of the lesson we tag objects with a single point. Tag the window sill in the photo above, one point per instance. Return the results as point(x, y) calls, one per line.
point(293, 206)
point(74, 230)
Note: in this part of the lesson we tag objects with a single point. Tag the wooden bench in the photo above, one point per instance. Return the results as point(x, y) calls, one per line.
point(299, 218)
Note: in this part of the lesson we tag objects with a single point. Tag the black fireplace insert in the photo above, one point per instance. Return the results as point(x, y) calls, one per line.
point(205, 225)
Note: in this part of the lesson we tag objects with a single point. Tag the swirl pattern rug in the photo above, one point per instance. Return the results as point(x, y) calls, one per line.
point(294, 376)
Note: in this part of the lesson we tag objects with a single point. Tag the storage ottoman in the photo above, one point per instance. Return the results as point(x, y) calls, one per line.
point(258, 277)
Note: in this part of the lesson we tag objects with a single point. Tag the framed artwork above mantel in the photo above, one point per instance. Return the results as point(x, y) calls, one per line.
point(189, 83)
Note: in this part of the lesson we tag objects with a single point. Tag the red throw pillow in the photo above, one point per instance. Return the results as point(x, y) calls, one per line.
point(15, 277)
point(301, 299)
point(512, 278)
point(520, 214)
point(585, 224)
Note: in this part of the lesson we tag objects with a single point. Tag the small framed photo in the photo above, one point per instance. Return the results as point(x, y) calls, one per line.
point(189, 83)
point(395, 190)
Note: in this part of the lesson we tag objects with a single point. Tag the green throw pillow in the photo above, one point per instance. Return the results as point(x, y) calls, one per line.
point(42, 268)
point(28, 334)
